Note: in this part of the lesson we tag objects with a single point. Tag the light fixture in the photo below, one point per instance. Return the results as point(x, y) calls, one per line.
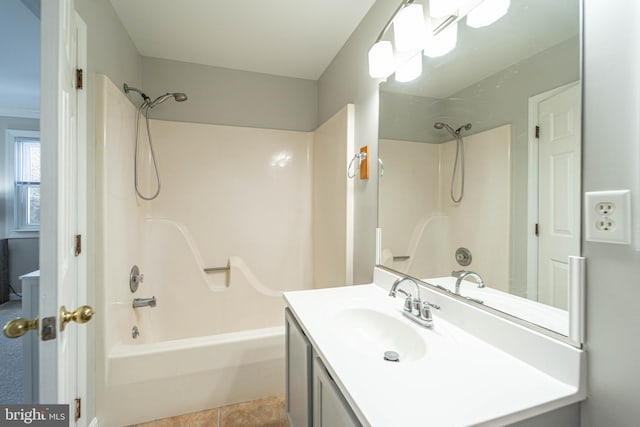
point(487, 12)
point(442, 43)
point(408, 28)
point(442, 8)
point(381, 59)
point(411, 35)
point(409, 70)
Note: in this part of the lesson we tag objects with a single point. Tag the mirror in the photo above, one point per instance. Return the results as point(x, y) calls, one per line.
point(495, 122)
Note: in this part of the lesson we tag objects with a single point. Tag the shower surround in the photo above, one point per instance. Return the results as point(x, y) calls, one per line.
point(430, 226)
point(231, 196)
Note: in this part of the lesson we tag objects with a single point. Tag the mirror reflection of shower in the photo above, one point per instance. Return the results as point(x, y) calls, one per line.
point(146, 105)
point(459, 159)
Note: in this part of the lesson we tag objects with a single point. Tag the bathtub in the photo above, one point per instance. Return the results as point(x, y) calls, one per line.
point(159, 380)
point(211, 340)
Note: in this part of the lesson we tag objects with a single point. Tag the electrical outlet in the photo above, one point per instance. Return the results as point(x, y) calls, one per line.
point(605, 208)
point(608, 216)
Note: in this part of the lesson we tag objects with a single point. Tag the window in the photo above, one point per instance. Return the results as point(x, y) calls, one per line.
point(26, 199)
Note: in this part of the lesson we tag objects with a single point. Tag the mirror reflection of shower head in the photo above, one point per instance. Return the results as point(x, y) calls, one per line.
point(441, 125)
point(463, 127)
point(454, 133)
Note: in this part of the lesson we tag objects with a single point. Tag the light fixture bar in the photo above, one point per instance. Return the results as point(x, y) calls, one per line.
point(444, 24)
point(390, 21)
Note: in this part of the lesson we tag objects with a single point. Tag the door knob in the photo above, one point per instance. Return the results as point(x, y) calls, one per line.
point(82, 314)
point(18, 327)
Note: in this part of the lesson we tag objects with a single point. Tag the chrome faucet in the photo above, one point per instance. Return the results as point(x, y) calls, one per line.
point(414, 308)
point(461, 276)
point(144, 302)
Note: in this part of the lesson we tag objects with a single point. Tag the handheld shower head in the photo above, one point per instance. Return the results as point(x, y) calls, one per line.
point(464, 127)
point(178, 96)
point(454, 133)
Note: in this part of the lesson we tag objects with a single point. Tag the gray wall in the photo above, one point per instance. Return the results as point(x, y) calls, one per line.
point(230, 97)
point(611, 98)
point(111, 52)
point(347, 80)
point(23, 259)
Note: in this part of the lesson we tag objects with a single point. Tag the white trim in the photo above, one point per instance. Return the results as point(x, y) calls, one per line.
point(49, 36)
point(577, 274)
point(350, 202)
point(21, 113)
point(532, 189)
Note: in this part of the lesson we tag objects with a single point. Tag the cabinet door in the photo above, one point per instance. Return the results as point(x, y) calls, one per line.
point(330, 409)
point(298, 354)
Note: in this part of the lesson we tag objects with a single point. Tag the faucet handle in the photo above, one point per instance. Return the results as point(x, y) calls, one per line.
point(408, 303)
point(425, 312)
point(415, 306)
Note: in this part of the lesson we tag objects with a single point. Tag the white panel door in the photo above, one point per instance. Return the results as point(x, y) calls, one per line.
point(63, 201)
point(559, 193)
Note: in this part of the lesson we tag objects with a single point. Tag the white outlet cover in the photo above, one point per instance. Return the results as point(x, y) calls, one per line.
point(621, 216)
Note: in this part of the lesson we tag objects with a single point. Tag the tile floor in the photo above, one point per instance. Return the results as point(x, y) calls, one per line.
point(267, 412)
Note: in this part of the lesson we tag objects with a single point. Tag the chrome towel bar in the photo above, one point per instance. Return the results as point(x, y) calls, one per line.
point(215, 269)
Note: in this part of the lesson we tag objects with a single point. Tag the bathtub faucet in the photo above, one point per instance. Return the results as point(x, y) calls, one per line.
point(144, 302)
point(461, 275)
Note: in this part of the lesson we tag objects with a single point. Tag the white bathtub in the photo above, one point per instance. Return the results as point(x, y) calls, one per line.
point(159, 380)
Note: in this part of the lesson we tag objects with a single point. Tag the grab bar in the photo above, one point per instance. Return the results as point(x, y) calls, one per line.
point(215, 269)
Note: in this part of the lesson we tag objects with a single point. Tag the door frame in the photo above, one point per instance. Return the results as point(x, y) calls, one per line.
point(52, 12)
point(533, 189)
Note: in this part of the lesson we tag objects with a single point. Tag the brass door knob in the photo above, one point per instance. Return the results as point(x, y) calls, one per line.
point(18, 327)
point(82, 314)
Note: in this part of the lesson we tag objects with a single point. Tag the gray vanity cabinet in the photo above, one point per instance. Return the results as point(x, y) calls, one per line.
point(313, 399)
point(330, 409)
point(298, 356)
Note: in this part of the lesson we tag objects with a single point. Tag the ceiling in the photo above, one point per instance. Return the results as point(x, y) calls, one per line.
point(20, 64)
point(293, 38)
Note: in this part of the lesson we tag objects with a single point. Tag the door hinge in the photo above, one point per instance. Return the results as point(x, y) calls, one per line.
point(537, 229)
point(79, 79)
point(78, 246)
point(537, 132)
point(78, 405)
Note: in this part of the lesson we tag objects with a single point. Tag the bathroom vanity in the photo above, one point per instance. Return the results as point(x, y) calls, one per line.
point(471, 368)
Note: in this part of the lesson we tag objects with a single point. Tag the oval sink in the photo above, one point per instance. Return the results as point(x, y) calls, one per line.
point(373, 333)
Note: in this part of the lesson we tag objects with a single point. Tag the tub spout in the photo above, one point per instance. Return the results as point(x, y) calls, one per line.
point(144, 302)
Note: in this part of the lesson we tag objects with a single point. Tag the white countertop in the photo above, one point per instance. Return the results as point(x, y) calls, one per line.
point(460, 381)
